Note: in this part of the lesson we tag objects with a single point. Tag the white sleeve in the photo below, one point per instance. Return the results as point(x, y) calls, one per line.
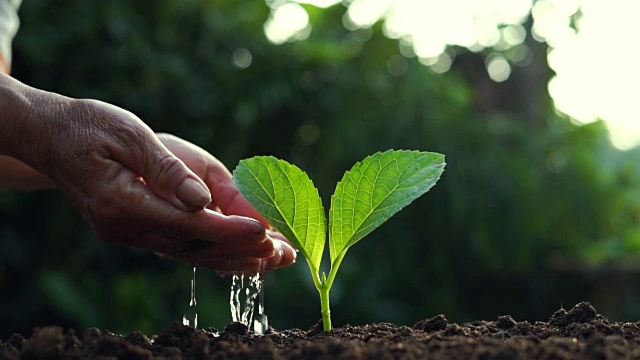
point(9, 24)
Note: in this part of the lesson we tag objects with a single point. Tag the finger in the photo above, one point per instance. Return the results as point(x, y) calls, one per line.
point(204, 241)
point(285, 255)
point(225, 194)
point(193, 156)
point(208, 250)
point(277, 236)
point(170, 179)
point(247, 266)
point(216, 227)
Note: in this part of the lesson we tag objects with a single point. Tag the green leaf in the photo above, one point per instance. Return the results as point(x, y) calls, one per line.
point(286, 197)
point(375, 189)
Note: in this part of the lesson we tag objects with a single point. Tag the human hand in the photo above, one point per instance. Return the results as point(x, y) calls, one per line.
point(128, 186)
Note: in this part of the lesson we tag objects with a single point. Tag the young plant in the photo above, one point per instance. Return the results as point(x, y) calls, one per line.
point(367, 196)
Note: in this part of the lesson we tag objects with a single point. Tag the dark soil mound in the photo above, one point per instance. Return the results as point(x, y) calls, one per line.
point(578, 334)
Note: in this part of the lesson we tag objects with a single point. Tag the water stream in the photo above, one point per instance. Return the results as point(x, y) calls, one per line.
point(261, 322)
point(252, 289)
point(254, 292)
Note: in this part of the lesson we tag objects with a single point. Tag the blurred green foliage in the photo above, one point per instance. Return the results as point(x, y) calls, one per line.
point(523, 198)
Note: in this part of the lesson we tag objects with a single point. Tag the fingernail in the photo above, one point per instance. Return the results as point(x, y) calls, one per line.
point(278, 252)
point(258, 228)
point(272, 246)
point(193, 194)
point(275, 262)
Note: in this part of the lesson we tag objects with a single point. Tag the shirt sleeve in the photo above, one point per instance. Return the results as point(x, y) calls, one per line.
point(9, 24)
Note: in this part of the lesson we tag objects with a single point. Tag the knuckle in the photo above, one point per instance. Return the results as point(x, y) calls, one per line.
point(168, 167)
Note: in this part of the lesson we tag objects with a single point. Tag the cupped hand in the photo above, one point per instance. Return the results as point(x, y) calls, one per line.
point(134, 190)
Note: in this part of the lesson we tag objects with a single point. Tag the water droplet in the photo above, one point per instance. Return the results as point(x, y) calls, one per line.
point(190, 318)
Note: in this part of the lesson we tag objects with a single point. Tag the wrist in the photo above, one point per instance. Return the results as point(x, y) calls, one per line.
point(12, 102)
point(29, 118)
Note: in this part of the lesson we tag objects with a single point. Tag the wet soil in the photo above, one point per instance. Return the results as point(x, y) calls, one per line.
point(580, 333)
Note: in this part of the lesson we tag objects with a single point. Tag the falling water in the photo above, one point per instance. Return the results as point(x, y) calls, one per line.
point(240, 313)
point(190, 318)
point(261, 322)
point(237, 283)
point(252, 291)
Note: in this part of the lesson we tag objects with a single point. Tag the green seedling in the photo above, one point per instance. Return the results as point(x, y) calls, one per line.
point(367, 196)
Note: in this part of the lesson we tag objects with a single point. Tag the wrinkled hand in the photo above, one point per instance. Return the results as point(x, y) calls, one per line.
point(135, 190)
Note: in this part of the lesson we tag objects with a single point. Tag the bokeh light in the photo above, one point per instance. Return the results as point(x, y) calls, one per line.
point(498, 68)
point(287, 22)
point(241, 58)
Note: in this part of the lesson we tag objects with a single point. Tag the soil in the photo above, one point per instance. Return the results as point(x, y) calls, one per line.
point(580, 333)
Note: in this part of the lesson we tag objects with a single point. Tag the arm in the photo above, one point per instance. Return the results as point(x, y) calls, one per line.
point(16, 175)
point(130, 187)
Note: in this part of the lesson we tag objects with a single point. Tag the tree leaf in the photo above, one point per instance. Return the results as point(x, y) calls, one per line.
point(375, 189)
point(286, 197)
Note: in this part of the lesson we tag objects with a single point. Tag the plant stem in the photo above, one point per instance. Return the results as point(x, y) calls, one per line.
point(324, 305)
point(324, 285)
point(324, 288)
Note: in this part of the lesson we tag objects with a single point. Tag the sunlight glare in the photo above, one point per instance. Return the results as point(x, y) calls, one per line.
point(319, 3)
point(596, 70)
point(462, 22)
point(365, 13)
point(593, 54)
point(287, 22)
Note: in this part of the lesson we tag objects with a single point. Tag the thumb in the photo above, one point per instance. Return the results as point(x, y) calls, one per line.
point(170, 179)
point(167, 176)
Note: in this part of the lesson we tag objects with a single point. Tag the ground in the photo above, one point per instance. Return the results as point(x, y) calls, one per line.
point(580, 333)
